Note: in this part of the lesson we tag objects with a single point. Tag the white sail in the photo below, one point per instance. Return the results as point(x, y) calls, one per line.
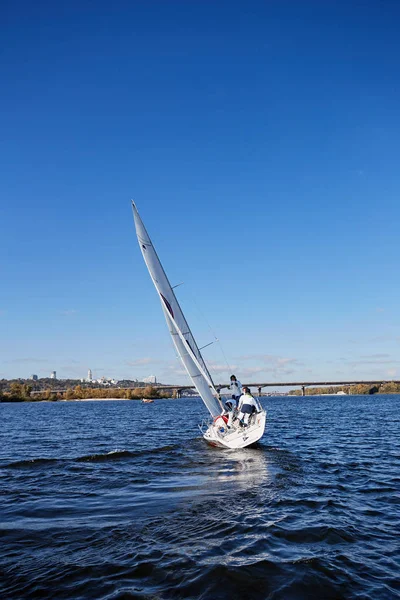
point(177, 324)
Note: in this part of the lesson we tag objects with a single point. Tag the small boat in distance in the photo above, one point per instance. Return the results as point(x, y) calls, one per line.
point(147, 400)
point(216, 432)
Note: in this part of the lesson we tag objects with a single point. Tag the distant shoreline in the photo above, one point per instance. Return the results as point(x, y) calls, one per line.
point(31, 401)
point(58, 400)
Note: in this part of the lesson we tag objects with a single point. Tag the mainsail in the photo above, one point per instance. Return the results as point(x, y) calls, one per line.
point(177, 324)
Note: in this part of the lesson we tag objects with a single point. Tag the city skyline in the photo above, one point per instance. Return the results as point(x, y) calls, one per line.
point(261, 149)
point(89, 378)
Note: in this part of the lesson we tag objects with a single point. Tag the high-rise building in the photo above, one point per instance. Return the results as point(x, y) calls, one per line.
point(33, 377)
point(53, 375)
point(89, 375)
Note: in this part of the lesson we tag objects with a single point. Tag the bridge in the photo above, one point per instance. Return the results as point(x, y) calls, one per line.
point(178, 389)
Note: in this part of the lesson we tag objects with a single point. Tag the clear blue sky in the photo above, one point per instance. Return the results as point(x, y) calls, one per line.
point(261, 142)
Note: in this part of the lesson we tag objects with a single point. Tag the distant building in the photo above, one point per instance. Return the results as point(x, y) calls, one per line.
point(90, 376)
point(106, 381)
point(53, 375)
point(150, 379)
point(33, 377)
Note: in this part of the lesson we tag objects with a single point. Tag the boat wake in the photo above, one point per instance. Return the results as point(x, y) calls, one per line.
point(112, 455)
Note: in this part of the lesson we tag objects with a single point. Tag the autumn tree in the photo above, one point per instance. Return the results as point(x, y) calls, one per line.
point(16, 390)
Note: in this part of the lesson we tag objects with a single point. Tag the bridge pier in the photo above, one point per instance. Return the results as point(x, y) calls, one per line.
point(303, 390)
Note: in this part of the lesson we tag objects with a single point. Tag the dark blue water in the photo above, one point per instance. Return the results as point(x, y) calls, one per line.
point(124, 500)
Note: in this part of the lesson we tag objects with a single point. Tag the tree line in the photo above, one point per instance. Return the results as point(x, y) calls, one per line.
point(45, 383)
point(389, 387)
point(22, 392)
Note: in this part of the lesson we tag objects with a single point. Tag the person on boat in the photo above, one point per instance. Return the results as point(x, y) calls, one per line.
point(231, 405)
point(236, 391)
point(247, 406)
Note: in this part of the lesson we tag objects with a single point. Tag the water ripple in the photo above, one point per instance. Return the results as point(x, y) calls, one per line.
point(93, 509)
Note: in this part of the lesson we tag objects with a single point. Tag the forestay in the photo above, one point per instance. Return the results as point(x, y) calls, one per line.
point(177, 324)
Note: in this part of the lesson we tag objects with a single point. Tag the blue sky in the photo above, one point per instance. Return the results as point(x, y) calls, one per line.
point(260, 141)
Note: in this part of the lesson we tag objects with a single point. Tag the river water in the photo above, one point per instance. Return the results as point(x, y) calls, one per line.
point(121, 500)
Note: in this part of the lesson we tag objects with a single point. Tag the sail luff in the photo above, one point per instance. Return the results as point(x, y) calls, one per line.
point(179, 329)
point(171, 290)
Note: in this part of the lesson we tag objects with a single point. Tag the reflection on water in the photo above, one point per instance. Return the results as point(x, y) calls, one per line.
point(247, 467)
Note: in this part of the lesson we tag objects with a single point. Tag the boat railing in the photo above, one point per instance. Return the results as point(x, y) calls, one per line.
point(205, 424)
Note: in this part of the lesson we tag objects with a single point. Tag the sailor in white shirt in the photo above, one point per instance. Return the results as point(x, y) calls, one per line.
point(247, 405)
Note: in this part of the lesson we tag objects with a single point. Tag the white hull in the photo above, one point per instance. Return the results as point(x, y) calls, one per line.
point(236, 436)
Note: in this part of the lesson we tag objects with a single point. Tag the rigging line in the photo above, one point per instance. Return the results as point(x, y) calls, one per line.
point(212, 331)
point(225, 359)
point(202, 348)
point(196, 359)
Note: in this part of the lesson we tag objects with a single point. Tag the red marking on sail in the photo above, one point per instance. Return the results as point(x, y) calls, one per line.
point(167, 304)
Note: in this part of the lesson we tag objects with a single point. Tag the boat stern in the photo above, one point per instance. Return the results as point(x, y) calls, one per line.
point(219, 435)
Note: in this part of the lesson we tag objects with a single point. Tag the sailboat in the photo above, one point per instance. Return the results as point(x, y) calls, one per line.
point(215, 432)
